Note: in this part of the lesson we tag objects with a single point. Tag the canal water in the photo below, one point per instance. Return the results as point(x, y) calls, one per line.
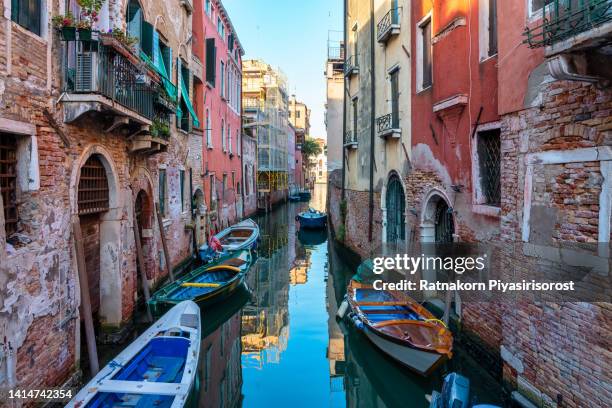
point(277, 343)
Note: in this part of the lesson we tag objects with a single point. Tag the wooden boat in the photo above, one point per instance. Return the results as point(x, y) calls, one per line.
point(400, 327)
point(312, 219)
point(205, 285)
point(243, 235)
point(157, 370)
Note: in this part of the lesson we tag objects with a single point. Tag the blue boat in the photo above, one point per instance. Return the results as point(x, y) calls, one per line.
point(312, 219)
point(305, 195)
point(157, 370)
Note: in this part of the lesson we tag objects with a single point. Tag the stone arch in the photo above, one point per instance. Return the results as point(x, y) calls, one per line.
point(143, 199)
point(434, 199)
point(392, 177)
point(110, 236)
point(145, 12)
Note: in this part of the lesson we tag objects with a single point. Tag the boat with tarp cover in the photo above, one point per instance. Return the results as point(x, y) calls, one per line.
point(205, 285)
point(157, 370)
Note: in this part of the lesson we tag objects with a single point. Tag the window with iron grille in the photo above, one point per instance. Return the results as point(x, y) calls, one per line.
point(182, 184)
point(162, 191)
point(93, 187)
point(8, 181)
point(489, 146)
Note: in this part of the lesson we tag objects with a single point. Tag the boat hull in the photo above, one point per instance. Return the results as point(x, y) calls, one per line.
point(313, 222)
point(247, 226)
point(420, 361)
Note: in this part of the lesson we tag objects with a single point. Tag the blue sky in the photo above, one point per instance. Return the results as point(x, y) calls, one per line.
point(291, 35)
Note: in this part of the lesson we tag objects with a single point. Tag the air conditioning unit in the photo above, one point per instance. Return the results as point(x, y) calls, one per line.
point(86, 71)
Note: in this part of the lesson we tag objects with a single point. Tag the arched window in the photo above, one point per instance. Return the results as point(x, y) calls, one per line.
point(134, 19)
point(223, 135)
point(396, 208)
point(93, 195)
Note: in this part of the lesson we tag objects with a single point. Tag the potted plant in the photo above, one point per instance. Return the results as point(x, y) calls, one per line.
point(65, 25)
point(84, 29)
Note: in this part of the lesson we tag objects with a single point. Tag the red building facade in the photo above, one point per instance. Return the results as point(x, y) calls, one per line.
point(218, 103)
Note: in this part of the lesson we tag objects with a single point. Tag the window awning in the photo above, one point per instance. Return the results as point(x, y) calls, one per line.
point(158, 66)
point(185, 96)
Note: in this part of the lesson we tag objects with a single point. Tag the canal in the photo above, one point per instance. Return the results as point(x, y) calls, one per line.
point(277, 342)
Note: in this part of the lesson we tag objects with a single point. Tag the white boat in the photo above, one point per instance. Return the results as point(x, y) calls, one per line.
point(239, 236)
point(157, 370)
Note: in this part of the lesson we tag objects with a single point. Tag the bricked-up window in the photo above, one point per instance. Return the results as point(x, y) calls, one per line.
point(489, 146)
point(93, 195)
point(27, 13)
point(162, 191)
point(182, 183)
point(8, 181)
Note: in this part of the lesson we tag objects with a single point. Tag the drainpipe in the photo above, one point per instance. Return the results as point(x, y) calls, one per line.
point(372, 119)
point(344, 101)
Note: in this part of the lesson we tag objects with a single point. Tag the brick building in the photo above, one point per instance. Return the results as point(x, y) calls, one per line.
point(218, 102)
point(95, 128)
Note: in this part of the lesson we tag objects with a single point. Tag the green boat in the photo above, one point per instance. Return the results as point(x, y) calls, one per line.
point(206, 285)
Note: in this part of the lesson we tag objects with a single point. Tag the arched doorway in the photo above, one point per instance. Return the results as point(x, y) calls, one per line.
point(437, 221)
point(395, 204)
point(143, 212)
point(444, 223)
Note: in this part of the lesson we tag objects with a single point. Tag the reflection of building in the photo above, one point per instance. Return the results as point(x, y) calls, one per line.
point(265, 320)
point(220, 366)
point(299, 273)
point(318, 164)
point(265, 115)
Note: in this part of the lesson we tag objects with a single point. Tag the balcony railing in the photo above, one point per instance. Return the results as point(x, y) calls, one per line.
point(335, 52)
point(388, 125)
point(562, 19)
point(95, 68)
point(350, 139)
point(388, 25)
point(351, 66)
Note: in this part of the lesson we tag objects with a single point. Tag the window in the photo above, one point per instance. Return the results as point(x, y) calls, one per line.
point(224, 185)
point(238, 141)
point(211, 61)
point(211, 197)
point(424, 57)
point(487, 28)
point(393, 79)
point(222, 85)
point(8, 181)
point(182, 187)
point(223, 135)
point(355, 118)
point(488, 150)
point(166, 55)
point(208, 7)
point(162, 191)
point(536, 6)
point(137, 27)
point(28, 14)
point(234, 180)
point(238, 191)
point(208, 130)
point(93, 195)
point(229, 138)
point(297, 114)
point(220, 28)
point(246, 179)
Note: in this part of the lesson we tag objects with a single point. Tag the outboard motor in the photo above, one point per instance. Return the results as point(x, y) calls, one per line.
point(455, 393)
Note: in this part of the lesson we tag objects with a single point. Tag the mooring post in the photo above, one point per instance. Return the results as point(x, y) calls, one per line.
point(85, 300)
point(162, 234)
point(141, 267)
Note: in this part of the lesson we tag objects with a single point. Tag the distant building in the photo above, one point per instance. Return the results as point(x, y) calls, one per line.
point(299, 116)
point(265, 110)
point(334, 75)
point(318, 165)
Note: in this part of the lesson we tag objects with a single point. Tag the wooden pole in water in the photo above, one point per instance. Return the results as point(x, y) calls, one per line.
point(85, 300)
point(141, 267)
point(162, 234)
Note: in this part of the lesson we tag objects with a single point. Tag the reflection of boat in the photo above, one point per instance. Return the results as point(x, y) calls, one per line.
point(400, 327)
point(305, 195)
point(312, 236)
point(374, 380)
point(312, 219)
point(157, 369)
point(205, 285)
point(219, 313)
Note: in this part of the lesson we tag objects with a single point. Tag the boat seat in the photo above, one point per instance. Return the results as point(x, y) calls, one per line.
point(163, 369)
point(234, 262)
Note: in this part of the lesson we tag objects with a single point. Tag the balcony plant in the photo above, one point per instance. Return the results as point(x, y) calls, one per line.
point(160, 129)
point(89, 16)
point(65, 25)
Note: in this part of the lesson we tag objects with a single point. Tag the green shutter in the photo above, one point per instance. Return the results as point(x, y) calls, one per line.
point(146, 39)
point(211, 61)
point(179, 112)
point(182, 181)
point(185, 98)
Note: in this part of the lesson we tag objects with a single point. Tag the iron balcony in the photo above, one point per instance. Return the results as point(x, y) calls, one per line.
point(388, 26)
point(351, 66)
point(350, 139)
point(564, 19)
point(388, 126)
